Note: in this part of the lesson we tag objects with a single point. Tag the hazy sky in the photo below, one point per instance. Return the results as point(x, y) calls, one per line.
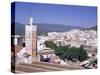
point(56, 14)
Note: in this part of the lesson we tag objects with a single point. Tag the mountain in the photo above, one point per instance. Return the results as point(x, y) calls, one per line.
point(43, 28)
point(92, 28)
point(17, 29)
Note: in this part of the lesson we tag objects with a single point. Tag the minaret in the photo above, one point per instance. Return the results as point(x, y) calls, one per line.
point(31, 40)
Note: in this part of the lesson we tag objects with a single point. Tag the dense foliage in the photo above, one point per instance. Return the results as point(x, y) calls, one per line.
point(68, 52)
point(93, 61)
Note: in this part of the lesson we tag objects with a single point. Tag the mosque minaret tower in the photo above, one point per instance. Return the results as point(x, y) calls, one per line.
point(31, 40)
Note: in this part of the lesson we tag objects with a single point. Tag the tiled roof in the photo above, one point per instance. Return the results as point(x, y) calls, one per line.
point(15, 49)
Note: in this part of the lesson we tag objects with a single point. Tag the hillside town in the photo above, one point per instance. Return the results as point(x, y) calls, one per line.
point(31, 48)
point(73, 37)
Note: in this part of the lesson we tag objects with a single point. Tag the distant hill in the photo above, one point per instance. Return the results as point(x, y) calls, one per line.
point(43, 28)
point(92, 28)
point(18, 28)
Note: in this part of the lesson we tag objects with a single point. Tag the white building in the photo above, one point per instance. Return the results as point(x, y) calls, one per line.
point(74, 37)
point(27, 54)
point(40, 43)
point(31, 39)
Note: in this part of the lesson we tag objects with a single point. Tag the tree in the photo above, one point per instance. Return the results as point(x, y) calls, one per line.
point(68, 52)
point(94, 61)
point(72, 53)
point(82, 54)
point(77, 54)
point(50, 44)
point(60, 51)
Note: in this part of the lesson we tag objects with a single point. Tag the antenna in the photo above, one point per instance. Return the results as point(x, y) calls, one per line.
point(30, 14)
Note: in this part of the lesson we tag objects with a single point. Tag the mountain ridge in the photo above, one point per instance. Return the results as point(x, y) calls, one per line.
point(43, 28)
